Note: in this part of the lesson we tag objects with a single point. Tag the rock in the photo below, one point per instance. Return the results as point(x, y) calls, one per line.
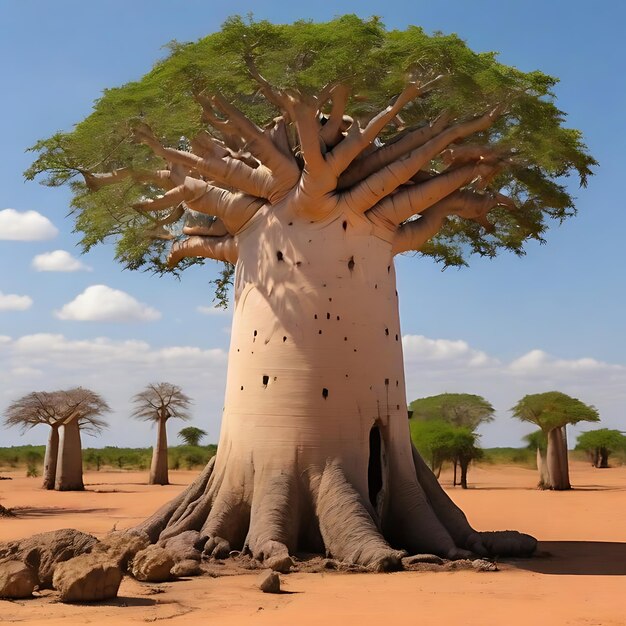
point(269, 582)
point(188, 567)
point(17, 580)
point(44, 551)
point(87, 578)
point(152, 565)
point(481, 565)
point(120, 547)
point(280, 563)
point(187, 546)
point(423, 558)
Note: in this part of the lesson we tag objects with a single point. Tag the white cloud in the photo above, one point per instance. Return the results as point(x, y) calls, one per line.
point(450, 351)
point(99, 303)
point(212, 310)
point(58, 261)
point(13, 302)
point(117, 370)
point(25, 226)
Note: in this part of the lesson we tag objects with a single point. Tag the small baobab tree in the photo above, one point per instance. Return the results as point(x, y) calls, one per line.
point(158, 402)
point(192, 435)
point(600, 443)
point(552, 411)
point(66, 412)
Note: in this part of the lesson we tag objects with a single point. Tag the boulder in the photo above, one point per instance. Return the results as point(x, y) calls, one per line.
point(280, 563)
point(153, 564)
point(42, 552)
point(17, 580)
point(269, 582)
point(87, 578)
point(120, 547)
point(188, 567)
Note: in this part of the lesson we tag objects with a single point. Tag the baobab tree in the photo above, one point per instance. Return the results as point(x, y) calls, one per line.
point(159, 402)
point(600, 443)
point(305, 157)
point(192, 435)
point(552, 411)
point(66, 412)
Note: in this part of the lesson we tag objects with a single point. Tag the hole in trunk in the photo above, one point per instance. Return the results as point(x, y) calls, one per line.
point(266, 379)
point(351, 263)
point(325, 393)
point(344, 225)
point(279, 255)
point(375, 466)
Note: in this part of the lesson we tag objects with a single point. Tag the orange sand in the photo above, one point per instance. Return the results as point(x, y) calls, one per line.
point(579, 576)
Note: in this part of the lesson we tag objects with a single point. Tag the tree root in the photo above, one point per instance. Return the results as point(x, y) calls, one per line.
point(273, 514)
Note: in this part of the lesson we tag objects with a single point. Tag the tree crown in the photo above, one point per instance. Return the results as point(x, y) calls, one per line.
point(161, 401)
point(192, 435)
point(459, 409)
point(55, 408)
point(254, 71)
point(553, 409)
point(607, 438)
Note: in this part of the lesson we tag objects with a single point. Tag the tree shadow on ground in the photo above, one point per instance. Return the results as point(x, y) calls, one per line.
point(577, 558)
point(46, 511)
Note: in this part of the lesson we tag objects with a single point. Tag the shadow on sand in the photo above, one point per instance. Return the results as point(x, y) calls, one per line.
point(577, 558)
point(46, 511)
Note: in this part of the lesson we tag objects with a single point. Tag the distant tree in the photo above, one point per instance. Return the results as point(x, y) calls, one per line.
point(159, 402)
point(66, 412)
point(459, 409)
point(552, 411)
point(599, 444)
point(192, 435)
point(464, 450)
point(438, 441)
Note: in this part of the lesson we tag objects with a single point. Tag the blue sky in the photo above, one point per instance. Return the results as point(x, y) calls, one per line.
point(502, 328)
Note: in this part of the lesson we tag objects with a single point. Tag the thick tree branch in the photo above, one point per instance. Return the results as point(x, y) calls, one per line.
point(375, 187)
point(466, 204)
point(413, 200)
point(218, 248)
point(234, 209)
point(160, 178)
point(215, 229)
point(345, 152)
point(331, 132)
point(227, 171)
point(366, 165)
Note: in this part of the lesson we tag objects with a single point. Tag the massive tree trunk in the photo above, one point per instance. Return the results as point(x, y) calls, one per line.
point(556, 457)
point(315, 452)
point(69, 472)
point(158, 467)
point(50, 458)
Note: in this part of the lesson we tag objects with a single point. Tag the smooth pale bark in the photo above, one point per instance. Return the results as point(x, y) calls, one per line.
point(158, 467)
point(50, 458)
point(69, 474)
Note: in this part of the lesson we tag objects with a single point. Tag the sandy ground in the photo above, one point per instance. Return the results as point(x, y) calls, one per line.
point(579, 576)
